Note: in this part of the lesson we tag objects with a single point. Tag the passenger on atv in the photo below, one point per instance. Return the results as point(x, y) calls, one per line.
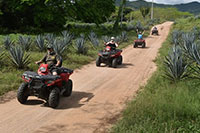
point(140, 34)
point(52, 59)
point(112, 43)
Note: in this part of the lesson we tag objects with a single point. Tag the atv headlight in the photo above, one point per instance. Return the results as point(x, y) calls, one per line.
point(43, 69)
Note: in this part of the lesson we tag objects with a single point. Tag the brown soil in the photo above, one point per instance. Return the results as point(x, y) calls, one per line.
point(99, 95)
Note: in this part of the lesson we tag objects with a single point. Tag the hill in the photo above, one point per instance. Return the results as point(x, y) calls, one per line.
point(192, 7)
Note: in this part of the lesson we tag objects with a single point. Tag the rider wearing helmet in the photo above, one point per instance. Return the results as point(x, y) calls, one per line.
point(52, 59)
point(140, 34)
point(112, 43)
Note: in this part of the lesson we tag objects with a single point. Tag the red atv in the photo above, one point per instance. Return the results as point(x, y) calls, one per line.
point(139, 42)
point(45, 86)
point(109, 56)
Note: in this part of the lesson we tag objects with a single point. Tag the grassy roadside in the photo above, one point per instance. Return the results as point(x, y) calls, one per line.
point(163, 106)
point(10, 78)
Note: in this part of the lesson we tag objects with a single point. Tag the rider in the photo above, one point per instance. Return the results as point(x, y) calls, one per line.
point(112, 43)
point(52, 59)
point(155, 28)
point(140, 34)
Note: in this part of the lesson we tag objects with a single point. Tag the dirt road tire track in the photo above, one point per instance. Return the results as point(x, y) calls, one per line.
point(98, 97)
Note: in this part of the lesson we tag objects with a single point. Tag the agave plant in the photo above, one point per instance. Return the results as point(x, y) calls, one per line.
point(40, 42)
point(59, 46)
point(25, 42)
point(8, 42)
point(177, 37)
point(82, 35)
point(124, 36)
point(118, 39)
point(18, 57)
point(67, 36)
point(176, 67)
point(106, 39)
point(50, 38)
point(94, 39)
point(80, 46)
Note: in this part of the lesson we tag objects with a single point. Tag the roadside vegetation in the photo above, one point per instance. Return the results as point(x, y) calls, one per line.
point(170, 101)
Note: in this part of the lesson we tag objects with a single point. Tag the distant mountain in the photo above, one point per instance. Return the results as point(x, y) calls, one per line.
point(193, 7)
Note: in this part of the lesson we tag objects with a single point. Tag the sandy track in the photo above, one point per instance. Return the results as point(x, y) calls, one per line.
point(98, 98)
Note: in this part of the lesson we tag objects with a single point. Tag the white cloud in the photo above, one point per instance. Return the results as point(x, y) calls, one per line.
point(171, 1)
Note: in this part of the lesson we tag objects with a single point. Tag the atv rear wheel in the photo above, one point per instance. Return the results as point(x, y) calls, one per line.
point(68, 89)
point(120, 59)
point(143, 45)
point(114, 62)
point(54, 98)
point(98, 61)
point(22, 93)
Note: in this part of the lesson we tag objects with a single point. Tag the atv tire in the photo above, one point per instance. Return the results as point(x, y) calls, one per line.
point(143, 45)
point(135, 45)
point(98, 61)
point(114, 63)
point(54, 98)
point(22, 93)
point(68, 88)
point(120, 59)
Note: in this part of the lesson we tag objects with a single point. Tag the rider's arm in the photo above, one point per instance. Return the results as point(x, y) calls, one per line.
point(116, 45)
point(58, 60)
point(143, 32)
point(42, 60)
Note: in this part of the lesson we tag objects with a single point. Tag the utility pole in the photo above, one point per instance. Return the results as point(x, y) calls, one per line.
point(152, 10)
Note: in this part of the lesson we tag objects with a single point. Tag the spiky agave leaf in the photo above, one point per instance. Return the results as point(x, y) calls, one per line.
point(176, 67)
point(118, 39)
point(40, 42)
point(18, 57)
point(177, 37)
point(80, 46)
point(106, 39)
point(67, 36)
point(8, 42)
point(124, 36)
point(94, 39)
point(25, 42)
point(50, 37)
point(59, 46)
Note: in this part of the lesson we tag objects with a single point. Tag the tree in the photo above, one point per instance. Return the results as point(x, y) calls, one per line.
point(93, 11)
point(144, 11)
point(116, 24)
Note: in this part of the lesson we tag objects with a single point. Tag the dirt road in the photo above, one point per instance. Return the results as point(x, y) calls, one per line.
point(98, 97)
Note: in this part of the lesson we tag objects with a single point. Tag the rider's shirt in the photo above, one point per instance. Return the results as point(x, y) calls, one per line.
point(51, 58)
point(139, 36)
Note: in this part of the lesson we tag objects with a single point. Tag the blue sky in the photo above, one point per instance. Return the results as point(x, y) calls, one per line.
point(172, 1)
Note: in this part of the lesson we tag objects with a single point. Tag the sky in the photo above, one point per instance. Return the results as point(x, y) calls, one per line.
point(171, 1)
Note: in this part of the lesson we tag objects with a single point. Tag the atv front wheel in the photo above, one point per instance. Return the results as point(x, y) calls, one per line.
point(22, 93)
point(120, 60)
point(114, 62)
point(135, 45)
point(98, 61)
point(54, 98)
point(68, 88)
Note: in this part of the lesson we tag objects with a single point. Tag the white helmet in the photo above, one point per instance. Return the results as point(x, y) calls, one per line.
point(112, 38)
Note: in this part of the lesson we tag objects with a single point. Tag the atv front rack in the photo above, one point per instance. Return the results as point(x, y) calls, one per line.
point(34, 75)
